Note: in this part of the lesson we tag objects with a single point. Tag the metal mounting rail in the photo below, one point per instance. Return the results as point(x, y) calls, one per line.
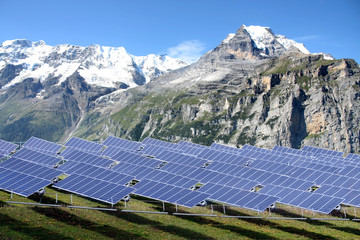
point(93, 208)
point(194, 214)
point(285, 218)
point(356, 219)
point(330, 219)
point(36, 204)
point(246, 217)
point(135, 211)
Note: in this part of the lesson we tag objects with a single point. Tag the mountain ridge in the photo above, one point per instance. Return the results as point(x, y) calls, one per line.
point(238, 93)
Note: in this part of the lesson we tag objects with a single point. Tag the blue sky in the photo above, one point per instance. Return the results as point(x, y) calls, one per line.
point(182, 28)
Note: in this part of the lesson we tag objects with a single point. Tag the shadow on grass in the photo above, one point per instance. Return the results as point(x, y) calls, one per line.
point(2, 203)
point(46, 200)
point(348, 230)
point(27, 230)
point(259, 222)
point(208, 221)
point(175, 230)
point(76, 221)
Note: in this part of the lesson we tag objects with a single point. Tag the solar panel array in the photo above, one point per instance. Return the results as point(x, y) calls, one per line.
point(6, 148)
point(187, 174)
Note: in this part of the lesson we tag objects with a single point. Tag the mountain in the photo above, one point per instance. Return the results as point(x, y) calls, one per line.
point(45, 90)
point(98, 65)
point(254, 88)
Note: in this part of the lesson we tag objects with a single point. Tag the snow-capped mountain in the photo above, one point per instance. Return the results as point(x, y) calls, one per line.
point(265, 38)
point(101, 66)
point(53, 92)
point(270, 44)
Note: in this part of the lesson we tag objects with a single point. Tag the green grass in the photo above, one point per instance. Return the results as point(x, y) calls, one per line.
point(314, 135)
point(35, 222)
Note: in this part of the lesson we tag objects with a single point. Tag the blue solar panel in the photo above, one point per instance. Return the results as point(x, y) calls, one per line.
point(128, 157)
point(30, 168)
point(42, 145)
point(105, 191)
point(350, 196)
point(20, 183)
point(321, 151)
point(157, 193)
point(156, 142)
point(168, 194)
point(72, 154)
point(122, 143)
point(191, 199)
point(289, 196)
point(31, 187)
point(246, 198)
point(300, 198)
point(84, 145)
point(6, 147)
point(37, 157)
point(326, 204)
point(310, 200)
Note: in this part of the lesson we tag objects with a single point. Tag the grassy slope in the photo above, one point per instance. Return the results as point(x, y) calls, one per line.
point(31, 222)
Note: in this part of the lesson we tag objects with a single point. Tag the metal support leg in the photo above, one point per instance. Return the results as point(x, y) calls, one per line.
point(269, 212)
point(224, 210)
point(125, 204)
point(163, 203)
point(176, 207)
point(71, 199)
point(344, 212)
point(212, 209)
point(56, 198)
point(11, 196)
point(354, 212)
point(302, 213)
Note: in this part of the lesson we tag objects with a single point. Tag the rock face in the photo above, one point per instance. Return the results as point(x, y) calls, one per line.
point(240, 94)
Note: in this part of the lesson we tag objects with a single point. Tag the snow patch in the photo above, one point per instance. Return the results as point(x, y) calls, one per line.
point(228, 38)
point(264, 37)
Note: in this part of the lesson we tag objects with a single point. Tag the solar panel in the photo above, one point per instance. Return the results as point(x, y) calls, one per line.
point(321, 151)
point(37, 157)
point(122, 143)
point(84, 145)
point(105, 191)
point(6, 147)
point(156, 142)
point(292, 151)
point(192, 198)
point(42, 145)
point(73, 154)
point(30, 168)
point(132, 158)
point(20, 183)
point(325, 204)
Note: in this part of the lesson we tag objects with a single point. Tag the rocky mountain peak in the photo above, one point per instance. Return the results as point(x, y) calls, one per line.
point(253, 43)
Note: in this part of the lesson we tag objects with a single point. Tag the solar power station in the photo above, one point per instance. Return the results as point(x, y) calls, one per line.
point(184, 173)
